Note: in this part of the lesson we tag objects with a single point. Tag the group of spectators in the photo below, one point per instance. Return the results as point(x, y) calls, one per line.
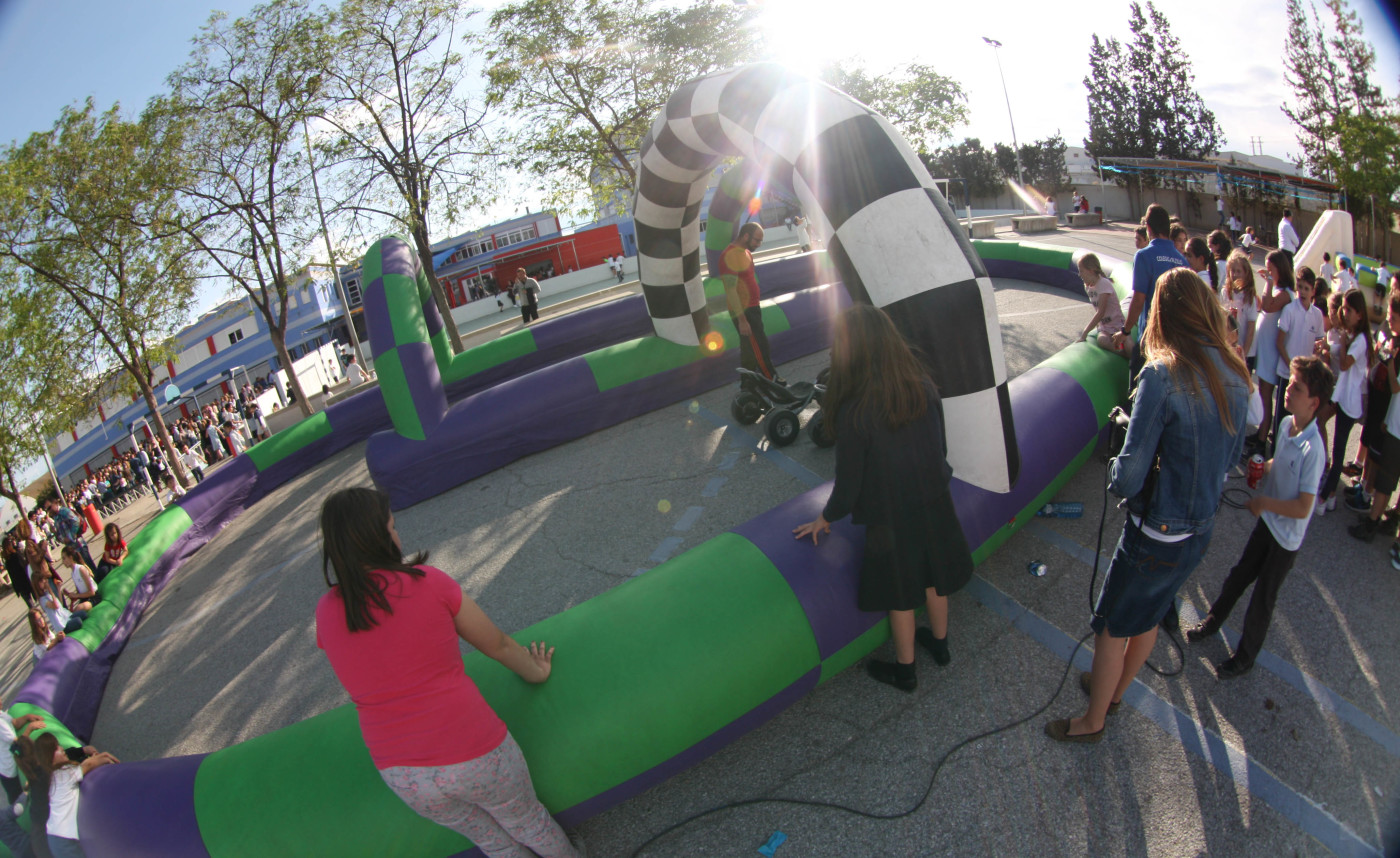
point(1281, 346)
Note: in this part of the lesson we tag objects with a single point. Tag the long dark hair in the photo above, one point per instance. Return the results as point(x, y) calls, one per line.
point(355, 540)
point(873, 370)
point(1197, 247)
point(1284, 266)
point(1186, 319)
point(1358, 306)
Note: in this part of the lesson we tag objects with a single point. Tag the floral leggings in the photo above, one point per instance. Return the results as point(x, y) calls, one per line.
point(489, 799)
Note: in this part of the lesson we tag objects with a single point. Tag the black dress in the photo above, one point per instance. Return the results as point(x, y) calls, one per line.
point(895, 482)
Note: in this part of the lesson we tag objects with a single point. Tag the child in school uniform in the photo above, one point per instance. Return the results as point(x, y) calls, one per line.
point(1284, 506)
point(1300, 325)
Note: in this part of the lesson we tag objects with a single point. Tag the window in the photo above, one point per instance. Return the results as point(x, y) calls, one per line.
point(352, 292)
point(235, 336)
point(516, 236)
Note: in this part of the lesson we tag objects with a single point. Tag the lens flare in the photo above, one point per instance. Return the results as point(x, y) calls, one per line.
point(755, 206)
point(663, 507)
point(713, 342)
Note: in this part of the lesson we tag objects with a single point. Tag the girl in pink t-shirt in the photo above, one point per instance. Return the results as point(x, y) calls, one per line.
point(390, 629)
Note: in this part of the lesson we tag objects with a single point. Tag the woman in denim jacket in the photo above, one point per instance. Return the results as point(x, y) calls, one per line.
point(1186, 430)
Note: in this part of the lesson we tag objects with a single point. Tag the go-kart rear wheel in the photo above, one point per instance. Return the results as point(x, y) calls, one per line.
point(747, 408)
point(824, 376)
point(816, 430)
point(782, 427)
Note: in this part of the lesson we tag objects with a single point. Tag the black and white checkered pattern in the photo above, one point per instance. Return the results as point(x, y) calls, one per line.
point(889, 231)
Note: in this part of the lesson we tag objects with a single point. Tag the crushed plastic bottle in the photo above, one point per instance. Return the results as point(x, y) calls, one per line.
point(1061, 510)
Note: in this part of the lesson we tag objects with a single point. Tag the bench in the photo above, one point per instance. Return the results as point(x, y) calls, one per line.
point(1086, 219)
point(1034, 223)
point(983, 227)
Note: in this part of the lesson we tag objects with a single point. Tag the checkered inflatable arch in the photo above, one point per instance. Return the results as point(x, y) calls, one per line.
point(888, 230)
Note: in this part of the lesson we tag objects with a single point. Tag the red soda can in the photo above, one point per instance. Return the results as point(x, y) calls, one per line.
point(1256, 471)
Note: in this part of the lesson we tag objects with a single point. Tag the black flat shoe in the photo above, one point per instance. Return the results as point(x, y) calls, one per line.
point(901, 676)
point(1202, 630)
point(1232, 667)
point(937, 647)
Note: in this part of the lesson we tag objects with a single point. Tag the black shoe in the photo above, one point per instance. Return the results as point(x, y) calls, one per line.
point(1232, 667)
point(1202, 630)
point(901, 676)
point(1365, 529)
point(937, 647)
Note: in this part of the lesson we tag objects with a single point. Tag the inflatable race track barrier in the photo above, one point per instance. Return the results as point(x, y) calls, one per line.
point(660, 671)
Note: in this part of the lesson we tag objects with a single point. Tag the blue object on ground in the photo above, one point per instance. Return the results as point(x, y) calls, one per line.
point(778, 839)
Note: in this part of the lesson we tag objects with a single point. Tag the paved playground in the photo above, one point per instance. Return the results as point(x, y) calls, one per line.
point(1300, 757)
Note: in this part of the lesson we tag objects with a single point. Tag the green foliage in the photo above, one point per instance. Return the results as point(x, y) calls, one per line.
point(583, 80)
point(1349, 133)
point(924, 105)
point(241, 103)
point(95, 258)
point(1042, 163)
point(407, 135)
point(1142, 98)
point(970, 162)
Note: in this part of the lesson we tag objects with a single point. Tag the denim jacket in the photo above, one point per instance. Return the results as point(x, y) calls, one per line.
point(1196, 449)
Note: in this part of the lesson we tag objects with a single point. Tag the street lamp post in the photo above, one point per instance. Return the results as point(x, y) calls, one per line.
point(1015, 147)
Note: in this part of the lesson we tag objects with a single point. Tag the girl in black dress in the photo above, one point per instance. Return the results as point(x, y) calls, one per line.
point(892, 476)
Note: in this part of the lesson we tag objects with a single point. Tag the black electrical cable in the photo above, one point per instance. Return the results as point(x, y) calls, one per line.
point(928, 790)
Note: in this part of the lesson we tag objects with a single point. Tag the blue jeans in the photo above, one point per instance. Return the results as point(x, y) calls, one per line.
point(62, 847)
point(1143, 580)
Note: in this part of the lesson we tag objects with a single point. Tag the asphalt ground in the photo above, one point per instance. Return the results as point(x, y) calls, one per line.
point(1300, 757)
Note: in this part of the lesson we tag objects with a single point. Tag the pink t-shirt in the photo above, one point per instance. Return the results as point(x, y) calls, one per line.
point(417, 706)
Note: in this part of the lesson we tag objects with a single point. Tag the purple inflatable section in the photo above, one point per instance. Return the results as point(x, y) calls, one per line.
point(490, 429)
point(1063, 278)
point(117, 809)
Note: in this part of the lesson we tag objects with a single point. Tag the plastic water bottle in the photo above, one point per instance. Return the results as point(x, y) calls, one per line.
point(1061, 510)
point(1036, 568)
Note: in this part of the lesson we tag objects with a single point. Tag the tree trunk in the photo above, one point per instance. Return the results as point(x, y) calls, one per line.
point(425, 257)
point(162, 433)
point(13, 491)
point(279, 342)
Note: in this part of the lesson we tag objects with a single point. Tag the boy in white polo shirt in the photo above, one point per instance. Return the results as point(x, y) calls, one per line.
point(1300, 325)
point(1284, 506)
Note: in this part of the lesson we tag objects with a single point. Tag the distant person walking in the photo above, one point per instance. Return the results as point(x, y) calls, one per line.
point(527, 290)
point(1288, 240)
point(741, 294)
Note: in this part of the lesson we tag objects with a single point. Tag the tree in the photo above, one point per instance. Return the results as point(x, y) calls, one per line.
point(40, 393)
point(403, 123)
point(584, 79)
point(924, 105)
point(1142, 100)
point(88, 227)
point(970, 162)
point(1042, 162)
point(1347, 129)
point(242, 99)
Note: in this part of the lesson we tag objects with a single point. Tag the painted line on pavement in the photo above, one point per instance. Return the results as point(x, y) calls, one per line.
point(1302, 811)
point(1323, 696)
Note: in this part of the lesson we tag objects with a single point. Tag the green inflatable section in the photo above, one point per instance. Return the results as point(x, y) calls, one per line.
point(636, 359)
point(301, 434)
point(1036, 254)
point(720, 617)
point(145, 548)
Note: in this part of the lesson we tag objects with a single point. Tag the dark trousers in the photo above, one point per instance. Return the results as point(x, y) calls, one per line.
point(753, 349)
point(1341, 433)
point(12, 786)
point(529, 310)
point(1264, 564)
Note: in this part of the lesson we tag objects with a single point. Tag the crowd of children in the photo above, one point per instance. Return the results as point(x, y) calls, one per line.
point(1307, 337)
